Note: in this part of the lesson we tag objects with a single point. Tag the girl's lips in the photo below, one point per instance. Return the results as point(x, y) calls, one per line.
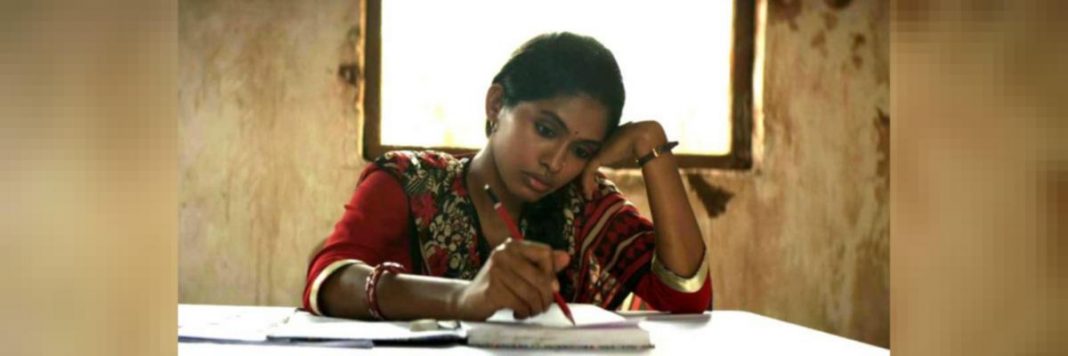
point(538, 185)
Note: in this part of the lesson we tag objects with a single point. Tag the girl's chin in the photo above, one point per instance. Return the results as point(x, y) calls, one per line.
point(526, 191)
point(531, 197)
point(528, 195)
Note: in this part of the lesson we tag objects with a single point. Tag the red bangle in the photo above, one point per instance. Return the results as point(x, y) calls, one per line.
point(372, 283)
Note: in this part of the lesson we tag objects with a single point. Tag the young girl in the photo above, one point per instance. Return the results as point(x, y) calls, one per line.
point(420, 238)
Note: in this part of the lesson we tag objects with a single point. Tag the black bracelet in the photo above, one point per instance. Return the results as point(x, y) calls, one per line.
point(656, 152)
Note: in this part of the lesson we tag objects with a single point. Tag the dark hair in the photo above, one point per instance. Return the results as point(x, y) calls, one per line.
point(563, 63)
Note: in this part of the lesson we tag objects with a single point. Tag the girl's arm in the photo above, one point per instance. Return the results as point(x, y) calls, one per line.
point(517, 275)
point(401, 297)
point(679, 244)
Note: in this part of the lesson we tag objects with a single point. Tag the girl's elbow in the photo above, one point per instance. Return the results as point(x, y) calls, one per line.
point(697, 306)
point(698, 302)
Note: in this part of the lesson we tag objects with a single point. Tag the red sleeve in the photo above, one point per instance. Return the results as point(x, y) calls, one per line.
point(662, 297)
point(373, 229)
point(627, 227)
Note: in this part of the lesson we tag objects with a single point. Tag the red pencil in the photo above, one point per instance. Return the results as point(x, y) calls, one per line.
point(514, 230)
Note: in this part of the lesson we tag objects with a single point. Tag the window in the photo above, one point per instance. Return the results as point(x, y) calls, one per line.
point(686, 64)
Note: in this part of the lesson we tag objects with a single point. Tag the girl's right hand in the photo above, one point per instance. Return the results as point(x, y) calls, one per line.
point(519, 275)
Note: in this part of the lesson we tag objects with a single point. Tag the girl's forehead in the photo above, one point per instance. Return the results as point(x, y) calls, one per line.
point(581, 113)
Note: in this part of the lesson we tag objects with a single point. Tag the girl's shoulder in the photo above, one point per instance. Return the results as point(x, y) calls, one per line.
point(404, 161)
point(418, 169)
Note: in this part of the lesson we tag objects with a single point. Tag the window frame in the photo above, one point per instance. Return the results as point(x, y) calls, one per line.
point(740, 156)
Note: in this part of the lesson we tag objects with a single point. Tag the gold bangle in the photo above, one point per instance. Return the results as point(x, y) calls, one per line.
point(656, 152)
point(682, 284)
point(313, 297)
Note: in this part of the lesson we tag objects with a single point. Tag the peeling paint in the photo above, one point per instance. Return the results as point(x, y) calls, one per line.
point(882, 125)
point(858, 41)
point(838, 4)
point(785, 11)
point(819, 42)
point(713, 198)
point(830, 21)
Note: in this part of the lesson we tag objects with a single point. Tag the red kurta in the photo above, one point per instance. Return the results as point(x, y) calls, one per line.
point(412, 208)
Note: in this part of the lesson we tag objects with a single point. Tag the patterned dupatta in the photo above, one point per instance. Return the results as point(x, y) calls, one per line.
point(610, 243)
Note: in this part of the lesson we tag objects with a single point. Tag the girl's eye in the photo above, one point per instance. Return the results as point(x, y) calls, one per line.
point(543, 130)
point(583, 153)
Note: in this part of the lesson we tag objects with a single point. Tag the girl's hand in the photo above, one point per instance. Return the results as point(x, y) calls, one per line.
point(519, 275)
point(627, 143)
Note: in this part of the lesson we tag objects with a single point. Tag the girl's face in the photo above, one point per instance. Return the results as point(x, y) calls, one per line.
point(540, 146)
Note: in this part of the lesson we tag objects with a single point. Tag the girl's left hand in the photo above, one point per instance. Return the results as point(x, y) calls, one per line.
point(628, 142)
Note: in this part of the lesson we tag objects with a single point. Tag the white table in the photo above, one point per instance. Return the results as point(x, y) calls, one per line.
point(723, 332)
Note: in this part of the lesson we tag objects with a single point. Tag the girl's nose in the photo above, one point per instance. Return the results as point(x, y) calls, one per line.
point(553, 160)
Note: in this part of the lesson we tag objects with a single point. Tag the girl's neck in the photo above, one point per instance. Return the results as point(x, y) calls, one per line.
point(484, 171)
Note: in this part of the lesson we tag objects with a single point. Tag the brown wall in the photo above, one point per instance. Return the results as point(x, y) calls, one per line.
point(269, 140)
point(270, 151)
point(806, 236)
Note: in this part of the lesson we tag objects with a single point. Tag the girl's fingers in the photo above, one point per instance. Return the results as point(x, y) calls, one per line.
point(521, 290)
point(538, 253)
point(535, 287)
point(560, 260)
point(511, 293)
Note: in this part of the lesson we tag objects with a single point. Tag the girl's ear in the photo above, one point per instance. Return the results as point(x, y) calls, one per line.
point(494, 103)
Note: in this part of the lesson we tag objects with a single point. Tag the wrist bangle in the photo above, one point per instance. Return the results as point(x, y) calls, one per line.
point(370, 288)
point(656, 152)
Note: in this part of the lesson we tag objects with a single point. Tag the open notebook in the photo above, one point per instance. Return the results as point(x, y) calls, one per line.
point(306, 327)
point(594, 328)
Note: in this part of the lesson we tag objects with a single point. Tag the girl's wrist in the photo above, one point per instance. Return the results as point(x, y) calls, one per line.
point(453, 301)
point(649, 139)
